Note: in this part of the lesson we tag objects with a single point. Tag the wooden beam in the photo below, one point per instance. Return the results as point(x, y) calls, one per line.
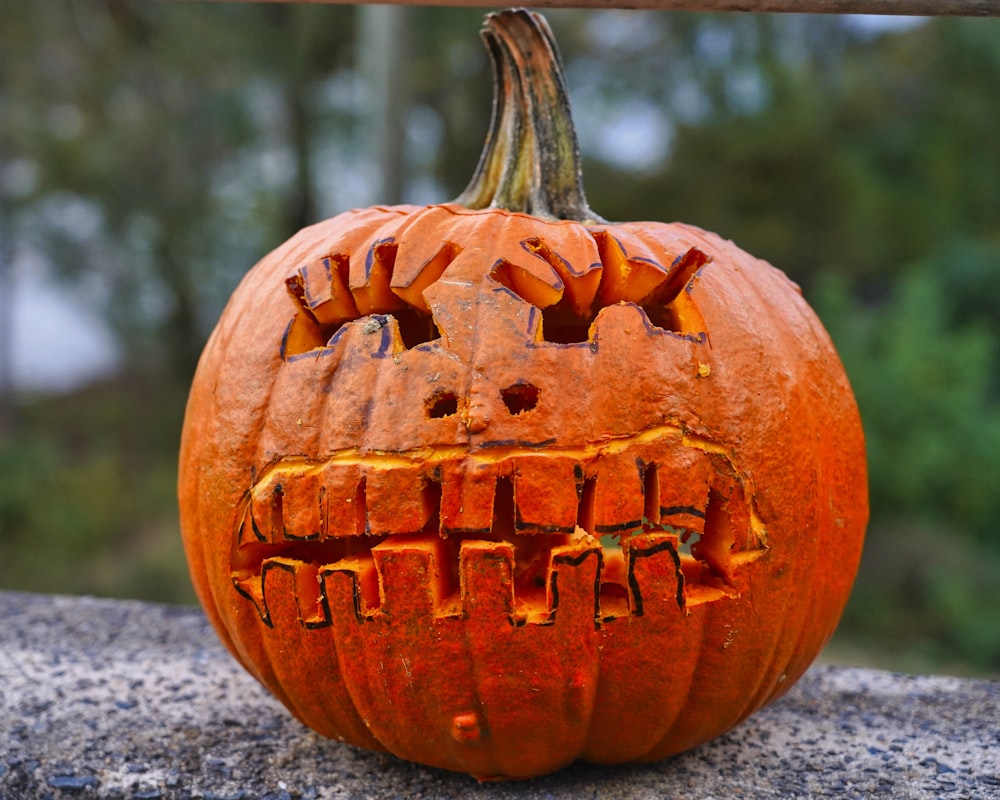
point(928, 8)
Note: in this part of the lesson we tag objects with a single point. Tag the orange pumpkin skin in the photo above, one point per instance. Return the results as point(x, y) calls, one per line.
point(401, 536)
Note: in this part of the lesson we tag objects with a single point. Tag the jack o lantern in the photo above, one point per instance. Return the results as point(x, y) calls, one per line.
point(495, 485)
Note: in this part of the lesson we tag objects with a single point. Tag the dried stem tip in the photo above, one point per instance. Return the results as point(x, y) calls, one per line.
point(531, 159)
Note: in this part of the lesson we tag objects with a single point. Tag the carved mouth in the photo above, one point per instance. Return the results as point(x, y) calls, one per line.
point(661, 492)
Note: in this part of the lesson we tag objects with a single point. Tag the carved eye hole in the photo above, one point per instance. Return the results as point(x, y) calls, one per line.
point(520, 397)
point(442, 404)
point(326, 301)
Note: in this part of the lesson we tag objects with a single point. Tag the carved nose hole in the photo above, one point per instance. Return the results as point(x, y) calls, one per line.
point(443, 404)
point(520, 397)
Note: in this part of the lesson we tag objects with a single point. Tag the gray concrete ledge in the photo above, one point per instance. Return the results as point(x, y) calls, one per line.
point(102, 698)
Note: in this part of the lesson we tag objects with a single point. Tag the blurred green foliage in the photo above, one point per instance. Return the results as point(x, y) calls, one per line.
point(157, 150)
point(924, 373)
point(88, 494)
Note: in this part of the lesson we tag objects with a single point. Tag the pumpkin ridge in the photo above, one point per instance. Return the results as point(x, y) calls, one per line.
point(257, 660)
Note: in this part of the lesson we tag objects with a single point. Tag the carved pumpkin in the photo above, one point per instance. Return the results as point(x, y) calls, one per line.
point(495, 485)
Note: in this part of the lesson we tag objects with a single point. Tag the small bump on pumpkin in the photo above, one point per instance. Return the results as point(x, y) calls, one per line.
point(465, 728)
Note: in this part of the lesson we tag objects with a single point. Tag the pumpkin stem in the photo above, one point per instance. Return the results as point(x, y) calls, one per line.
point(531, 159)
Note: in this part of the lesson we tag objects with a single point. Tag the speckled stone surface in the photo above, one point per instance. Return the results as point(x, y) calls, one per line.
point(103, 698)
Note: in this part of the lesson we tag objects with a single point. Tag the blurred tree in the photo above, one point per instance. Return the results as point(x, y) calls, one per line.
point(383, 38)
point(7, 409)
point(449, 84)
point(924, 375)
point(818, 148)
point(155, 148)
point(924, 380)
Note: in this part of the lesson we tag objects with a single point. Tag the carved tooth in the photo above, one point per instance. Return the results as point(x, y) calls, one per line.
point(655, 580)
point(467, 496)
point(343, 487)
point(734, 503)
point(350, 586)
point(410, 277)
point(309, 595)
point(265, 508)
point(285, 591)
point(683, 476)
point(303, 334)
point(582, 278)
point(616, 326)
point(370, 280)
point(401, 500)
point(727, 529)
point(320, 287)
point(251, 586)
point(545, 494)
point(539, 285)
point(487, 578)
point(246, 531)
point(619, 503)
point(414, 577)
point(682, 271)
point(626, 276)
point(669, 306)
point(574, 582)
point(303, 506)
